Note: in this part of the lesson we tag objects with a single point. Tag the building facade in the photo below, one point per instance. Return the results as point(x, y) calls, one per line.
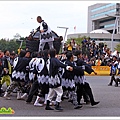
point(102, 16)
point(101, 22)
point(99, 36)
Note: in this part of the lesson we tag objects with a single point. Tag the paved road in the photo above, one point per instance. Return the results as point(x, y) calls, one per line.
point(109, 97)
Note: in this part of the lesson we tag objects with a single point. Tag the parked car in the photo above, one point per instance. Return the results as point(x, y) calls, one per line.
point(32, 42)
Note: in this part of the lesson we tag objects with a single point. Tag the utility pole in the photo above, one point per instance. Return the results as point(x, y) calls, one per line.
point(116, 25)
point(66, 28)
point(21, 42)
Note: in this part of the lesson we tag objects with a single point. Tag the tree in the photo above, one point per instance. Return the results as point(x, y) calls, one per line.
point(3, 44)
point(77, 40)
point(11, 45)
point(17, 36)
point(118, 47)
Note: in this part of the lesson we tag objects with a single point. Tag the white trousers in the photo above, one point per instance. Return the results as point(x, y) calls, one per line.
point(42, 45)
point(58, 91)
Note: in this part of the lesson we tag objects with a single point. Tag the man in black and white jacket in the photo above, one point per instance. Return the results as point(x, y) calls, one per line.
point(45, 34)
point(53, 65)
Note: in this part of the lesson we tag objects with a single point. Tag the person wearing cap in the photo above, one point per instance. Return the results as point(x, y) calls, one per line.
point(45, 34)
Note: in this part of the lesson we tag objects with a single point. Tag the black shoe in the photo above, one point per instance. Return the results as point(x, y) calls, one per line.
point(109, 84)
point(1, 95)
point(59, 108)
point(78, 106)
point(79, 103)
point(95, 103)
point(28, 102)
point(2, 91)
point(116, 85)
point(48, 108)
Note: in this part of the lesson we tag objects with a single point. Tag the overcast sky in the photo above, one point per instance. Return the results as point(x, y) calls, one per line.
point(20, 16)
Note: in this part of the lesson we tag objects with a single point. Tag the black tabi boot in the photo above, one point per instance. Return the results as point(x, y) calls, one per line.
point(58, 107)
point(95, 103)
point(48, 106)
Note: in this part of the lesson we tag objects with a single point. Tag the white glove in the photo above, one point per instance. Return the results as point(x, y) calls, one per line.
point(83, 67)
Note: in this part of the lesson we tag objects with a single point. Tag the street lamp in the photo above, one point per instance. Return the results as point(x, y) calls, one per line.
point(21, 42)
point(19, 49)
point(66, 28)
point(116, 24)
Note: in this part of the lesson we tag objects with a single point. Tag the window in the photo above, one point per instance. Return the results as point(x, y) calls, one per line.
point(103, 7)
point(117, 40)
point(103, 13)
point(110, 25)
point(107, 20)
point(104, 39)
point(101, 27)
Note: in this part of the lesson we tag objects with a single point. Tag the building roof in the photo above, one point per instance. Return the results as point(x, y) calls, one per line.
point(100, 31)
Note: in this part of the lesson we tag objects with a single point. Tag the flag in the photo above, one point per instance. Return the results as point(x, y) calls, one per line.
point(74, 27)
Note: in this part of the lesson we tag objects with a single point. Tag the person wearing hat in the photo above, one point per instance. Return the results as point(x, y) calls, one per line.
point(45, 34)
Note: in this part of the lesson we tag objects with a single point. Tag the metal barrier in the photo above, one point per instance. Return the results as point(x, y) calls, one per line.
point(101, 71)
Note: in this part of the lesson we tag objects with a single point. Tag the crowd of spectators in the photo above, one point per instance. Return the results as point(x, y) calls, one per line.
point(94, 54)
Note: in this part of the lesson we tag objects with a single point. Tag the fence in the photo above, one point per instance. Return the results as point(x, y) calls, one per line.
point(101, 71)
